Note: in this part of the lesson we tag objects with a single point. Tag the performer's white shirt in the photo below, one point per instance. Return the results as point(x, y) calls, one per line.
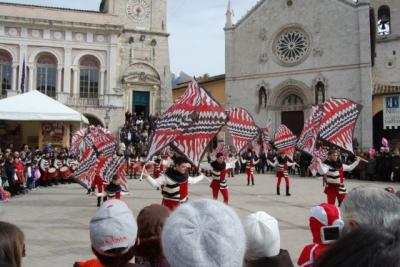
point(162, 180)
point(275, 163)
point(324, 168)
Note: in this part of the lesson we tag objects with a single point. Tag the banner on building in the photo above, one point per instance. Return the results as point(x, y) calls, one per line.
point(391, 112)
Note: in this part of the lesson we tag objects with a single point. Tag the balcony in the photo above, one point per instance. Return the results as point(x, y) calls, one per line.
point(98, 102)
point(78, 101)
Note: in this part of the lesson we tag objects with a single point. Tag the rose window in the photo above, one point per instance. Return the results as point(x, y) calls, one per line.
point(292, 46)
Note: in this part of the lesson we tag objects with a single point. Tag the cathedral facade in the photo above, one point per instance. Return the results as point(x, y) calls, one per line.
point(101, 63)
point(284, 56)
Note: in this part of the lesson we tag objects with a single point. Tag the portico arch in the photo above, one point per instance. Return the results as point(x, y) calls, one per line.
point(290, 101)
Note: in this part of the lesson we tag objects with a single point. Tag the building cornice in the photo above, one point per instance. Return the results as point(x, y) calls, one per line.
point(50, 7)
point(60, 24)
point(388, 38)
point(164, 34)
point(299, 72)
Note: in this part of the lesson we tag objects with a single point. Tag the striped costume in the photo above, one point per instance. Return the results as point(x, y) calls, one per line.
point(218, 183)
point(282, 165)
point(175, 187)
point(334, 177)
point(250, 161)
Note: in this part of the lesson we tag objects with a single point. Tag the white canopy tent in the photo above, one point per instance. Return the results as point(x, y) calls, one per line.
point(35, 106)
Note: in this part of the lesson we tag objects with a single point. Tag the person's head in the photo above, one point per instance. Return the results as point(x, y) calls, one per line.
point(322, 218)
point(99, 154)
point(151, 221)
point(12, 244)
point(180, 165)
point(204, 233)
point(372, 246)
point(262, 235)
point(113, 232)
point(116, 180)
point(249, 153)
point(333, 155)
point(368, 205)
point(220, 157)
point(10, 159)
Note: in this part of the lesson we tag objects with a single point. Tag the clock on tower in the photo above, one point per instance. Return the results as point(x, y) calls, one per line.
point(138, 10)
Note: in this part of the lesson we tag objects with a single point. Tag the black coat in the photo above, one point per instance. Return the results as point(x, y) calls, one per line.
point(281, 260)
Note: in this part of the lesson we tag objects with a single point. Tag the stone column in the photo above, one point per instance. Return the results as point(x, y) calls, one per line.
point(30, 86)
point(59, 79)
point(67, 70)
point(14, 77)
point(101, 87)
point(75, 89)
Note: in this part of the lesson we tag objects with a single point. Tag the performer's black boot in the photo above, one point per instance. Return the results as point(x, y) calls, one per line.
point(248, 181)
point(287, 192)
point(278, 191)
point(104, 199)
point(89, 191)
point(98, 201)
point(252, 181)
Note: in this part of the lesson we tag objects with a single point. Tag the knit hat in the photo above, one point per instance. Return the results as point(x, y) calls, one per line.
point(202, 234)
point(113, 226)
point(324, 215)
point(262, 232)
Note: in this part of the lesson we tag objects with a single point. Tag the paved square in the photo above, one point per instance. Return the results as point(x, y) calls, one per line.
point(55, 220)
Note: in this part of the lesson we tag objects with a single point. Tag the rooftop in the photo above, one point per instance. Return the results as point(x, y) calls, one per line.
point(386, 89)
point(201, 80)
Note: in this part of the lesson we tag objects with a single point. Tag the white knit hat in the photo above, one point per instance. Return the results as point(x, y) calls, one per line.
point(204, 233)
point(262, 232)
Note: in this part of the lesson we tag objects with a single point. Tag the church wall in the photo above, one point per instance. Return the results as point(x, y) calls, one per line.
point(339, 54)
point(387, 65)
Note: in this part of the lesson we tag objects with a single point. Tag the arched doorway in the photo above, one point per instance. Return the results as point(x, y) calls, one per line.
point(292, 114)
point(93, 120)
point(391, 135)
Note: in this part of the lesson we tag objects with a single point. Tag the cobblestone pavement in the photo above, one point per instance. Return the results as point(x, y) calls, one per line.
point(55, 220)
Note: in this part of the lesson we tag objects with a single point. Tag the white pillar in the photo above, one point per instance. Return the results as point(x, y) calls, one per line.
point(67, 70)
point(31, 74)
point(75, 89)
point(101, 87)
point(14, 77)
point(59, 79)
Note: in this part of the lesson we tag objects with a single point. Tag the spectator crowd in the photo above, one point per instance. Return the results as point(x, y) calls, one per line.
point(136, 132)
point(23, 170)
point(364, 232)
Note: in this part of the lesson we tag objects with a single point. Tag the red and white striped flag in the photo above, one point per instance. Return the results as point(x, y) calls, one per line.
point(309, 135)
point(338, 122)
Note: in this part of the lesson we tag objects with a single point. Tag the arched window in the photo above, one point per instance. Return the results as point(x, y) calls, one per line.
point(292, 100)
point(5, 72)
point(319, 93)
point(89, 77)
point(46, 74)
point(384, 26)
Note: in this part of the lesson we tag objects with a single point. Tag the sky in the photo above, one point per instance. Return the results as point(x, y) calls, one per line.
point(197, 40)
